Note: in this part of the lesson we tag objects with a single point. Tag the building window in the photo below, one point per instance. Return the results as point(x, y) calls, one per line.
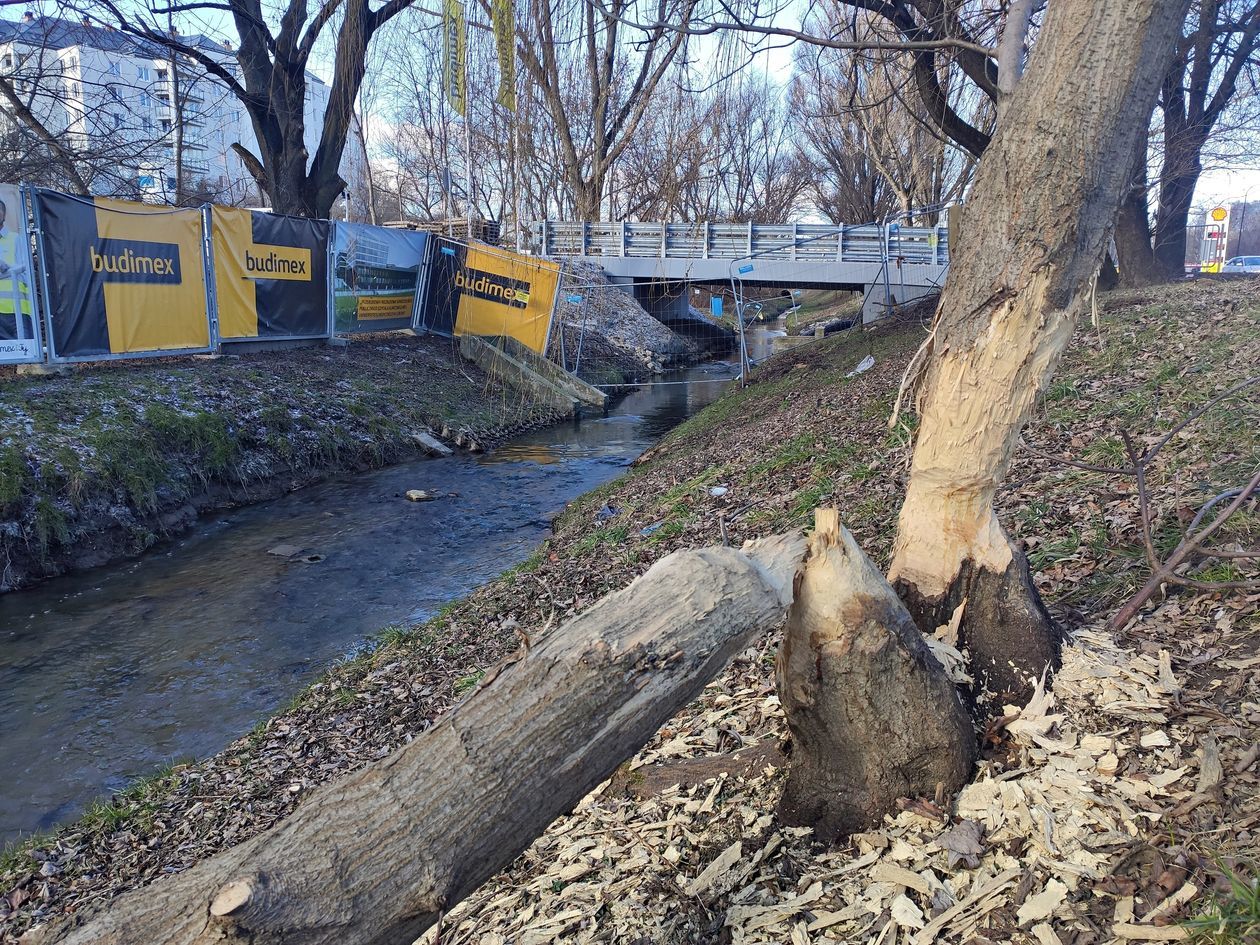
point(144, 98)
point(161, 74)
point(113, 69)
point(8, 61)
point(73, 62)
point(118, 119)
point(166, 124)
point(146, 123)
point(170, 182)
point(142, 72)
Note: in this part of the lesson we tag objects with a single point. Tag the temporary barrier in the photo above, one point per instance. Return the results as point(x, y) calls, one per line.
point(19, 314)
point(270, 275)
point(483, 290)
point(375, 276)
point(121, 278)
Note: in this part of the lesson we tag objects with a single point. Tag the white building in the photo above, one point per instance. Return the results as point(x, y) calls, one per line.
point(112, 96)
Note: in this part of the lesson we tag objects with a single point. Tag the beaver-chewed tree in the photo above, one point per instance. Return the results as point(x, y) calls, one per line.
point(871, 715)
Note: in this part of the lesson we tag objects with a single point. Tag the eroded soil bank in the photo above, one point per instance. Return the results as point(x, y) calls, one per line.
point(1136, 798)
point(102, 463)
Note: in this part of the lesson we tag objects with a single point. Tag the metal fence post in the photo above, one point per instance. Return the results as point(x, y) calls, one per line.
point(586, 238)
point(840, 243)
point(750, 238)
point(623, 237)
point(664, 239)
point(794, 237)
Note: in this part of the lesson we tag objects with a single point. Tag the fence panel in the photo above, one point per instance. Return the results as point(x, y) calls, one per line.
point(375, 277)
point(20, 329)
point(271, 275)
point(484, 290)
point(121, 279)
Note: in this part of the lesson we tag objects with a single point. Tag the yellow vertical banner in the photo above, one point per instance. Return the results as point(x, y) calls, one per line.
point(503, 18)
point(455, 55)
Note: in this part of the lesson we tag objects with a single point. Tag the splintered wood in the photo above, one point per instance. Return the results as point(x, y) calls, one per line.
point(1020, 857)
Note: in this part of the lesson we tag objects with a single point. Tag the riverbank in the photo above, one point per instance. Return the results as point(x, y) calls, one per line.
point(102, 463)
point(1162, 753)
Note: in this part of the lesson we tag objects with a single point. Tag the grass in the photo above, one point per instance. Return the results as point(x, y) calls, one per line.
point(151, 436)
point(1233, 918)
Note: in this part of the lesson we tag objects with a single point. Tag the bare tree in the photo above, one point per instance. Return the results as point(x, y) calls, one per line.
point(1215, 53)
point(595, 86)
point(876, 150)
point(270, 81)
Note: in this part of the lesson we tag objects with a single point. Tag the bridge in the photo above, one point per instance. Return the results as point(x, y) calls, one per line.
point(889, 263)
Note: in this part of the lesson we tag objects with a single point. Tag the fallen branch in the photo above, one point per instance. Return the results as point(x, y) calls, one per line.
point(379, 855)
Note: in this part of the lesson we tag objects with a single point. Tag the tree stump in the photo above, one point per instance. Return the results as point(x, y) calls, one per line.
point(872, 714)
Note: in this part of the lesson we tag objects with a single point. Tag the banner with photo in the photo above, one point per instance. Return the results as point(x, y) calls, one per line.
point(376, 273)
point(484, 290)
point(20, 341)
point(270, 275)
point(123, 278)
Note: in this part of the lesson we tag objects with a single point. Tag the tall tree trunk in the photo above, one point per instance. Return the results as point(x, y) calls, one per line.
point(1041, 211)
point(1133, 227)
point(1176, 191)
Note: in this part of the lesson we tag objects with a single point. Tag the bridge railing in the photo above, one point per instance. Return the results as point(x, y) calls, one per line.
point(804, 242)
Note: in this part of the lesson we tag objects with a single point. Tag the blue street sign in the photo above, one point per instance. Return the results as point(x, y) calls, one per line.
point(744, 270)
point(715, 305)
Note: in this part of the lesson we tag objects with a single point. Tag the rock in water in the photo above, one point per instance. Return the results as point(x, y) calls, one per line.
point(420, 495)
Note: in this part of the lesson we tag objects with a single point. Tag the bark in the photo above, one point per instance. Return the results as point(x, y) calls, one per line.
point(1032, 236)
point(1138, 266)
point(376, 857)
point(872, 715)
point(1176, 192)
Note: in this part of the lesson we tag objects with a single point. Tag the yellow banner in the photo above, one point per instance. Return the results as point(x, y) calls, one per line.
point(455, 55)
point(503, 18)
point(505, 293)
point(149, 260)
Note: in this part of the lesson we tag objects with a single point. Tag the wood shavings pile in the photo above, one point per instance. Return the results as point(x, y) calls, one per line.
point(1025, 856)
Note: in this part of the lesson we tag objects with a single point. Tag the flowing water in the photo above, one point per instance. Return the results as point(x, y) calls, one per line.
point(107, 675)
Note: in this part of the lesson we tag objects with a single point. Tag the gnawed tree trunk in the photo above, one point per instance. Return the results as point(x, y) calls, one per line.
point(1032, 235)
point(872, 714)
point(377, 856)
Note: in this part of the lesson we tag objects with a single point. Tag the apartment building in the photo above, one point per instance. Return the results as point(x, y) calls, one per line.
point(113, 96)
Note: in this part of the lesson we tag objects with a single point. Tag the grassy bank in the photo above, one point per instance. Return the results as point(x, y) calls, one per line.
point(103, 462)
point(804, 434)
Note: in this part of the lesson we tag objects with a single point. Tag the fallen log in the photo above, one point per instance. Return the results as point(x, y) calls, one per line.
point(378, 856)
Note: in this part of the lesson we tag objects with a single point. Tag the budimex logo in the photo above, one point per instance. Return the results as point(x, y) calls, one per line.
point(278, 262)
point(493, 287)
point(135, 261)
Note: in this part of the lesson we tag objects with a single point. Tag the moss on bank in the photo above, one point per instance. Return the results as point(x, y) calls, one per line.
point(804, 433)
point(104, 462)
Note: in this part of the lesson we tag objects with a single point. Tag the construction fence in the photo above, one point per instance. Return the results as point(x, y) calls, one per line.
point(94, 278)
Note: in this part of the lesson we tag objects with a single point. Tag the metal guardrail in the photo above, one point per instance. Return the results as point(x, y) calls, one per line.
point(804, 242)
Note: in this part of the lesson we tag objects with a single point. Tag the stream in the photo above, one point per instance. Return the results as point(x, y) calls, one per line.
point(107, 675)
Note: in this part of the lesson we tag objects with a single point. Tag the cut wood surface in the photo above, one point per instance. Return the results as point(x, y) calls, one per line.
point(378, 856)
